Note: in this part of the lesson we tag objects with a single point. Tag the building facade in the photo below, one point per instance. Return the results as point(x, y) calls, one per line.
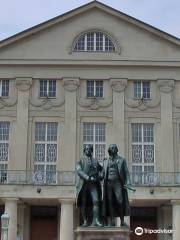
point(91, 76)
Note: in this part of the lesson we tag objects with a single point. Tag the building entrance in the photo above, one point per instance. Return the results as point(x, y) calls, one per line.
point(144, 218)
point(44, 223)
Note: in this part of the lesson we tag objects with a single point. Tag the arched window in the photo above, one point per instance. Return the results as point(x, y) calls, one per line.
point(94, 42)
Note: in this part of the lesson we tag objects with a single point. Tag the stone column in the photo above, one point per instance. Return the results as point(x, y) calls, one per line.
point(166, 132)
point(176, 218)
point(66, 219)
point(68, 159)
point(21, 127)
point(118, 135)
point(11, 209)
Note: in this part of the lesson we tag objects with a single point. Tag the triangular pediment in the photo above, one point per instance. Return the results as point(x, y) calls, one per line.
point(53, 39)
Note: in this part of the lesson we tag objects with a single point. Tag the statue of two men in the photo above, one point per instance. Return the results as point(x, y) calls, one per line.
point(116, 178)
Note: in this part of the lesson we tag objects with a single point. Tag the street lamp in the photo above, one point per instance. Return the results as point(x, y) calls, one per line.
point(4, 226)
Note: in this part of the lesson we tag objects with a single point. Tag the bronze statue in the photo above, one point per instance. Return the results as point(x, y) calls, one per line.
point(116, 183)
point(88, 186)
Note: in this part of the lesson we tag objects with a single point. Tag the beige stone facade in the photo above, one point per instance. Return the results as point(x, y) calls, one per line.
point(46, 52)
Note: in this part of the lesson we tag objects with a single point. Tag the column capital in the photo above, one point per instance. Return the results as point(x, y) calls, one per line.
point(23, 83)
point(118, 85)
point(67, 201)
point(165, 85)
point(175, 202)
point(15, 200)
point(71, 84)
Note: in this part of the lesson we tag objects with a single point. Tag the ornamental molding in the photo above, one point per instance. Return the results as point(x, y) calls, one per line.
point(78, 34)
point(143, 104)
point(94, 103)
point(165, 85)
point(23, 84)
point(46, 103)
point(12, 99)
point(8, 102)
point(118, 85)
point(71, 84)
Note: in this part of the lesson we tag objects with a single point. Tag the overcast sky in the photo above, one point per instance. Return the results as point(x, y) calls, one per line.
point(18, 15)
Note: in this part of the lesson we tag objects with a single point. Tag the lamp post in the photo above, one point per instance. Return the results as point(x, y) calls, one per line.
point(4, 226)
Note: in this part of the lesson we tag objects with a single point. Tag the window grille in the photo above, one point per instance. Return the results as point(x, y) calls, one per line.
point(46, 150)
point(47, 88)
point(142, 150)
point(4, 150)
point(94, 133)
point(142, 90)
point(94, 41)
point(95, 88)
point(4, 88)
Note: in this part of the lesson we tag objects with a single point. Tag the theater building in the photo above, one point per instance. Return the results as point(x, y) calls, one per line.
point(97, 76)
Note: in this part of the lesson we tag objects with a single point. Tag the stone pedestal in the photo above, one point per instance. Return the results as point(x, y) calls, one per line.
point(104, 233)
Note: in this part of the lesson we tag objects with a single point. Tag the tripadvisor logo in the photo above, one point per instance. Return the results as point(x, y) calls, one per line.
point(139, 231)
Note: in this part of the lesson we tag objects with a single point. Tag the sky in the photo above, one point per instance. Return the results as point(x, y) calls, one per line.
point(18, 15)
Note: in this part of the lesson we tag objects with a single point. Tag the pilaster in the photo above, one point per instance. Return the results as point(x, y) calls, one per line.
point(20, 142)
point(67, 219)
point(176, 218)
point(69, 132)
point(166, 132)
point(11, 209)
point(118, 129)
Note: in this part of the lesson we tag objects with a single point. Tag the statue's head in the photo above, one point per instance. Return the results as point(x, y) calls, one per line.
point(88, 150)
point(113, 150)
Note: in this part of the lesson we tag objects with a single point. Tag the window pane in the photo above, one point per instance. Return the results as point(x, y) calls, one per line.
point(40, 131)
point(39, 152)
point(137, 90)
point(80, 45)
point(99, 42)
point(51, 174)
point(109, 46)
point(100, 151)
point(137, 153)
point(90, 41)
point(52, 88)
point(88, 132)
point(100, 132)
point(146, 90)
point(136, 132)
point(148, 132)
point(4, 151)
point(149, 153)
point(137, 174)
point(51, 152)
point(90, 88)
point(5, 88)
point(52, 131)
point(99, 88)
point(43, 88)
point(38, 167)
point(4, 131)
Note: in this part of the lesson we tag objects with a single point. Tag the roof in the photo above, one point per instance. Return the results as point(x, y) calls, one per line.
point(81, 9)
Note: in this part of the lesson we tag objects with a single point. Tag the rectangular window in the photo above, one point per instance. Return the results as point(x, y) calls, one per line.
point(94, 133)
point(142, 90)
point(45, 156)
point(4, 88)
point(47, 88)
point(4, 150)
point(142, 151)
point(94, 88)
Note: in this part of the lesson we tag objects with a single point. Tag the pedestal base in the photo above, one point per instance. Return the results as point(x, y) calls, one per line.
point(104, 233)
